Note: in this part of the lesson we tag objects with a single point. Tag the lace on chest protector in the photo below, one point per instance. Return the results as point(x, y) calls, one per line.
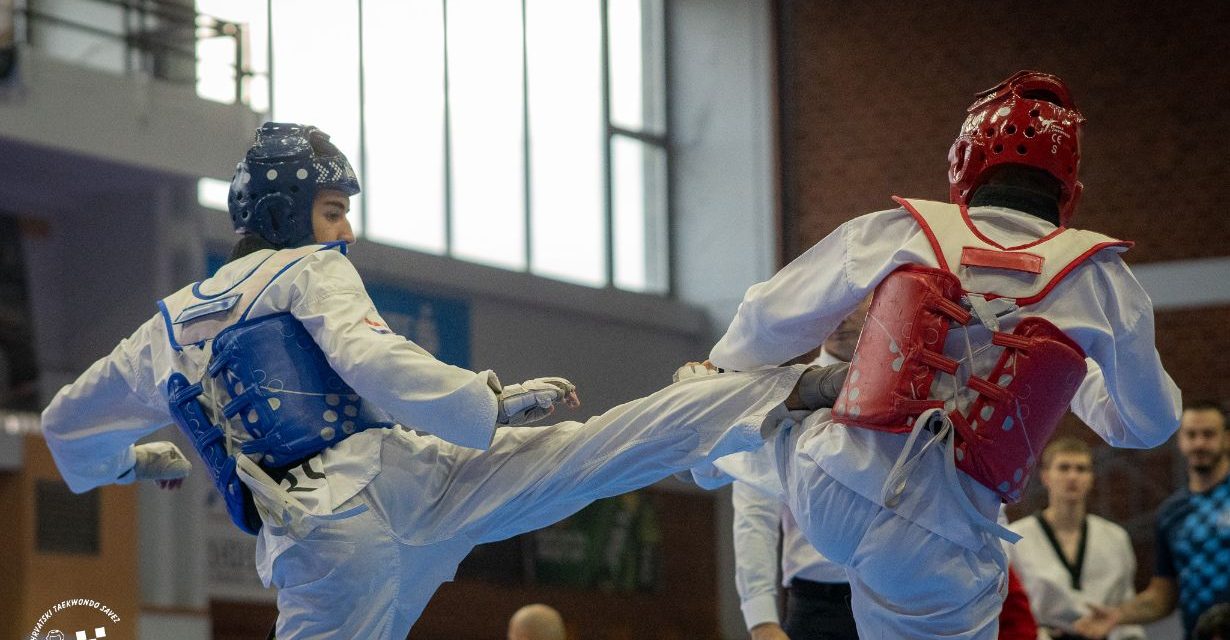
point(1017, 404)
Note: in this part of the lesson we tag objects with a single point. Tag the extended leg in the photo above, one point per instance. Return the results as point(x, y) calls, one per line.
point(533, 477)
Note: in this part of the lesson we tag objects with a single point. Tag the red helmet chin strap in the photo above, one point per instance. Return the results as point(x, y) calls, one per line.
point(1028, 119)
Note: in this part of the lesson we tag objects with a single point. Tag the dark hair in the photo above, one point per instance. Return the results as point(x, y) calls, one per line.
point(249, 243)
point(1214, 624)
point(1026, 177)
point(1065, 444)
point(1205, 404)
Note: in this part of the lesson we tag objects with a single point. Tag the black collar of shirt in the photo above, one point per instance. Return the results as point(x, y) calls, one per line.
point(1018, 198)
point(1074, 568)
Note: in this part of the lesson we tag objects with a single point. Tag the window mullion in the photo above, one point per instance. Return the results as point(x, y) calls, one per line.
point(448, 144)
point(607, 196)
point(525, 140)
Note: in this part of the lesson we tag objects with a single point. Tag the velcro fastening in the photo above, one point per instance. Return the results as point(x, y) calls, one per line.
point(996, 393)
point(1010, 260)
point(949, 308)
point(938, 361)
point(1011, 341)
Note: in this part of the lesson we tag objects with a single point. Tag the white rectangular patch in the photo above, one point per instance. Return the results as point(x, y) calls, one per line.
point(207, 308)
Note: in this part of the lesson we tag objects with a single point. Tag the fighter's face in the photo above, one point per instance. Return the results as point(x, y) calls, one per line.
point(329, 223)
point(1203, 439)
point(1068, 477)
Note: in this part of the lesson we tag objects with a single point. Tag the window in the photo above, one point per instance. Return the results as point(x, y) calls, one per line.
point(495, 131)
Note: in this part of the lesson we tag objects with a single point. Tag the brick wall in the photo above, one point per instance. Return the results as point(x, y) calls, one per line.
point(872, 93)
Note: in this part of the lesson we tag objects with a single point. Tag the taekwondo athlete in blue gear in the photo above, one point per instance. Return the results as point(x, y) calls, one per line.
point(272, 388)
point(271, 197)
point(293, 360)
point(275, 185)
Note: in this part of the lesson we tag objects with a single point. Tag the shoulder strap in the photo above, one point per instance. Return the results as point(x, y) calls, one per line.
point(961, 248)
point(200, 311)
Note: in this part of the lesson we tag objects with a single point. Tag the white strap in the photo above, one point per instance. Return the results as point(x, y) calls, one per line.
point(982, 311)
point(937, 421)
point(281, 512)
point(898, 477)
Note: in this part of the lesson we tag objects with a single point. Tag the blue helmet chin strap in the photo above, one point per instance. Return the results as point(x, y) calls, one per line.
point(275, 184)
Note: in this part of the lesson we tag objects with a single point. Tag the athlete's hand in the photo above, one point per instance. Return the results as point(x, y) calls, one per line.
point(161, 462)
point(535, 399)
point(1098, 623)
point(695, 370)
point(768, 631)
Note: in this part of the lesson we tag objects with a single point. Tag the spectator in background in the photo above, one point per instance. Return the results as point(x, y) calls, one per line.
point(1193, 534)
point(536, 622)
point(1068, 557)
point(1214, 624)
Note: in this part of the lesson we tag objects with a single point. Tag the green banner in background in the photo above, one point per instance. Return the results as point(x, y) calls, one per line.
point(611, 545)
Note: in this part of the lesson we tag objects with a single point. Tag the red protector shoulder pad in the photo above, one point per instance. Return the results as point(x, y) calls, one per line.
point(901, 346)
point(1018, 406)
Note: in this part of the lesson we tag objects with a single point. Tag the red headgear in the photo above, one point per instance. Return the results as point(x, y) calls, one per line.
point(1028, 119)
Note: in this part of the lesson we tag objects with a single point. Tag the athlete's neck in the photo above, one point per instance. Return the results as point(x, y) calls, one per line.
point(1199, 482)
point(1065, 515)
point(1017, 197)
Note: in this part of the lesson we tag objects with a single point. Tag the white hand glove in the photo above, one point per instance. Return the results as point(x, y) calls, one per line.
point(534, 400)
point(160, 461)
point(695, 370)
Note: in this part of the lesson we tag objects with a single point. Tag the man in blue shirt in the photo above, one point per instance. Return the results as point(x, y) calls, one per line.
point(1193, 533)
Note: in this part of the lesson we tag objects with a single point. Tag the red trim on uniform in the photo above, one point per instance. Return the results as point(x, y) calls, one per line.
point(1063, 273)
point(1012, 260)
point(1039, 241)
point(935, 243)
point(974, 228)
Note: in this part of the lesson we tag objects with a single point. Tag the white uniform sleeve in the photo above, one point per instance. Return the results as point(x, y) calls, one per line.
point(400, 377)
point(756, 529)
point(1127, 397)
point(796, 309)
point(91, 425)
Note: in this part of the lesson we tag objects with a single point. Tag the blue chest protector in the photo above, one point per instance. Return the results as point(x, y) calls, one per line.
point(284, 394)
point(266, 375)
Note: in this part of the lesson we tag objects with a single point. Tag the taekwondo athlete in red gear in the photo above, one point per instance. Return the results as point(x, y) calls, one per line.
point(990, 317)
point(294, 393)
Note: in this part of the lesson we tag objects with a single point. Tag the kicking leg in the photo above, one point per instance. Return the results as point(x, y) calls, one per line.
point(533, 477)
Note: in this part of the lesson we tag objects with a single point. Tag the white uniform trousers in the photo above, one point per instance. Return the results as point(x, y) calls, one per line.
point(370, 575)
point(906, 581)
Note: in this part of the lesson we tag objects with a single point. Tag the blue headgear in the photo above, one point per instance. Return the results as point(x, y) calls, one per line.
point(276, 182)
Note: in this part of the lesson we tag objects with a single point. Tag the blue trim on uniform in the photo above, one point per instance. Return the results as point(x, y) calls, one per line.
point(166, 318)
point(196, 287)
point(340, 245)
point(255, 298)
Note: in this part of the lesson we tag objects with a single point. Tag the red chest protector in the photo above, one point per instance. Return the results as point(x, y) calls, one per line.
point(1019, 402)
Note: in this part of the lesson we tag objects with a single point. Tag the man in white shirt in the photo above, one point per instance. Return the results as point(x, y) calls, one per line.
point(990, 318)
point(1068, 557)
point(817, 592)
point(294, 391)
